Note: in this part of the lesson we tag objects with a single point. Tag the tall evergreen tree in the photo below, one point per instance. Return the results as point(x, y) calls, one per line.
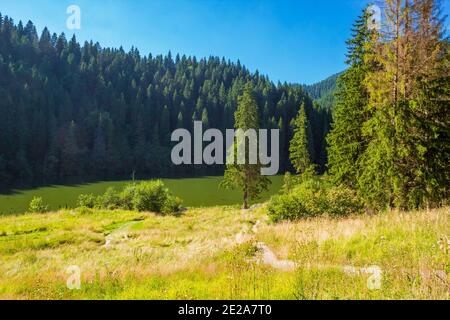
point(346, 142)
point(299, 146)
point(246, 176)
point(401, 134)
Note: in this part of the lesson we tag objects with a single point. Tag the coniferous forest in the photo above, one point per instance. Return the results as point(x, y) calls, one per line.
point(84, 112)
point(92, 205)
point(81, 111)
point(391, 134)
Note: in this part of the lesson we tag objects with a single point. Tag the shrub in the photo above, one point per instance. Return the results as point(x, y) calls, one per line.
point(109, 200)
point(150, 196)
point(313, 198)
point(37, 205)
point(172, 205)
point(84, 211)
point(127, 195)
point(286, 207)
point(288, 182)
point(304, 201)
point(86, 200)
point(342, 202)
point(145, 196)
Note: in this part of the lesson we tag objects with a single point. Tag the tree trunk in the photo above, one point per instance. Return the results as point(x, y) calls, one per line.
point(245, 199)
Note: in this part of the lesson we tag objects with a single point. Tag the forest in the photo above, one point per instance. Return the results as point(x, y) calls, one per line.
point(361, 212)
point(391, 132)
point(84, 112)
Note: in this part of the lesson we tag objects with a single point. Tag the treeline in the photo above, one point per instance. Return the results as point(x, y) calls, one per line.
point(323, 94)
point(389, 146)
point(86, 112)
point(321, 88)
point(391, 135)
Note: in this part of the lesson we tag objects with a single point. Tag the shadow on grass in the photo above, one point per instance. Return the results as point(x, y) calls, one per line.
point(10, 191)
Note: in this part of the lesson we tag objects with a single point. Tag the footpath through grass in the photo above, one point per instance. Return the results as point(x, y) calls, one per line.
point(196, 192)
point(212, 253)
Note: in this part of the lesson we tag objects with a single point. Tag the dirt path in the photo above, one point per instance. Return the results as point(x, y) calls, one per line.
point(374, 273)
point(269, 258)
point(265, 255)
point(119, 235)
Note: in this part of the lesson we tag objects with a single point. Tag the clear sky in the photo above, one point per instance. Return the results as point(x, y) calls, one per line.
point(299, 41)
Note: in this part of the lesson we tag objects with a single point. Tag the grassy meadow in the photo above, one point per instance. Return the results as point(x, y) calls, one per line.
point(196, 192)
point(215, 253)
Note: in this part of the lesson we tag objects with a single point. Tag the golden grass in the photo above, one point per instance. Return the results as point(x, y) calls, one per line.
point(199, 255)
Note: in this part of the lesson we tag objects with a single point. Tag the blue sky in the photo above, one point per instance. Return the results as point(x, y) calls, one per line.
point(289, 40)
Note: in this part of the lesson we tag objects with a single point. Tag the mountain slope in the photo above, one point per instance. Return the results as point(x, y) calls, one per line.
point(322, 92)
point(72, 111)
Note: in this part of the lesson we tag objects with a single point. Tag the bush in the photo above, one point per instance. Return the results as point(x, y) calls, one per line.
point(109, 200)
point(286, 207)
point(86, 200)
point(126, 196)
point(150, 196)
point(84, 211)
point(314, 198)
point(304, 201)
point(145, 196)
point(172, 205)
point(342, 202)
point(37, 206)
point(288, 183)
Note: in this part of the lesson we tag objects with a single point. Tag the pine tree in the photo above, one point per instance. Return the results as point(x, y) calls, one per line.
point(346, 143)
point(70, 153)
point(99, 148)
point(45, 42)
point(429, 90)
point(401, 134)
point(205, 119)
point(31, 33)
point(299, 146)
point(246, 176)
point(165, 125)
point(180, 122)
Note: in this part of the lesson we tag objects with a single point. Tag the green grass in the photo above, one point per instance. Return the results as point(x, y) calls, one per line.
point(196, 192)
point(198, 255)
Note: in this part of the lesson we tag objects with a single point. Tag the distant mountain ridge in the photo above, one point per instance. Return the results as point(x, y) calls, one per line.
point(323, 92)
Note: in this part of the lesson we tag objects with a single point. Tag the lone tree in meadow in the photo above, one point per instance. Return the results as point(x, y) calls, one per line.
point(299, 148)
point(246, 176)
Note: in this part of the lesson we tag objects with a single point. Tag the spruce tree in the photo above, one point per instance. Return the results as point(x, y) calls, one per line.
point(205, 119)
point(246, 176)
point(404, 134)
point(346, 143)
point(299, 146)
point(180, 122)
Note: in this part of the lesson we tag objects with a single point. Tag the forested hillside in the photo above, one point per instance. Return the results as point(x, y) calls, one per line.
point(323, 91)
point(322, 88)
point(87, 112)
